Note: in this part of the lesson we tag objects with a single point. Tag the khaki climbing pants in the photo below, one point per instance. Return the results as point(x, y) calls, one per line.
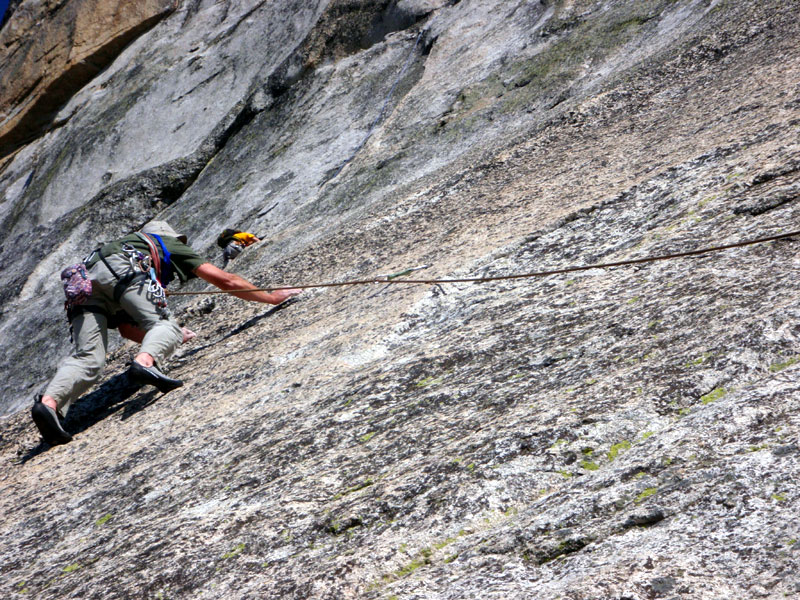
point(90, 330)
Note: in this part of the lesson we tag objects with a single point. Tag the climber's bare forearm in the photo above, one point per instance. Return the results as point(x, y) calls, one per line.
point(230, 281)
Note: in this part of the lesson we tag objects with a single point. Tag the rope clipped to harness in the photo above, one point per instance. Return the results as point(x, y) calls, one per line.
point(158, 272)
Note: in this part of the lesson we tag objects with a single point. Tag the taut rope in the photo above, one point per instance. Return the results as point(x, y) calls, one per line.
point(393, 280)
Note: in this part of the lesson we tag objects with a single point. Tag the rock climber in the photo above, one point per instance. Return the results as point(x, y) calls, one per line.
point(233, 242)
point(126, 290)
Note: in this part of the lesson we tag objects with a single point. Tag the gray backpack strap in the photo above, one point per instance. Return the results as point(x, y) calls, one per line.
point(122, 282)
point(108, 266)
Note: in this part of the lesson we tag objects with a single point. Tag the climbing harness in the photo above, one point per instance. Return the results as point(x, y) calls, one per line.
point(148, 267)
point(396, 279)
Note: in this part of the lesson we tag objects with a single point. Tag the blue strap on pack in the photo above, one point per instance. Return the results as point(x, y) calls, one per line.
point(166, 263)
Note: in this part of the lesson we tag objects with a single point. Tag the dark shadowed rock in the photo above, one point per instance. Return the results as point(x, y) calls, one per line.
point(51, 49)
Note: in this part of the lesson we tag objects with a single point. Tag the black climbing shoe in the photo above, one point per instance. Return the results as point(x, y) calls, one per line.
point(49, 424)
point(152, 376)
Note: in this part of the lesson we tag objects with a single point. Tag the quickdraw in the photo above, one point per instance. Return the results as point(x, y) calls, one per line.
point(138, 260)
point(156, 290)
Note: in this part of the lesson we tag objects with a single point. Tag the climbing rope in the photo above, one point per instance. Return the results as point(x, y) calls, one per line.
point(393, 279)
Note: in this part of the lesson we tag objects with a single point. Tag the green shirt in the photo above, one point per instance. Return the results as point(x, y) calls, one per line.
point(183, 258)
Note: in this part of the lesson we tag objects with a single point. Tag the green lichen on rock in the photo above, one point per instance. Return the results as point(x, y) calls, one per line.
point(444, 543)
point(617, 448)
point(780, 366)
point(645, 494)
point(234, 552)
point(406, 570)
point(699, 360)
point(713, 395)
point(428, 381)
point(356, 488)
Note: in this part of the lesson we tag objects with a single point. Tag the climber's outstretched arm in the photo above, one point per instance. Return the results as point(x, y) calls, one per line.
point(230, 281)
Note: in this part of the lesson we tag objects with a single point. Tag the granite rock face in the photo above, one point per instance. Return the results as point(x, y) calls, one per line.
point(52, 48)
point(612, 433)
